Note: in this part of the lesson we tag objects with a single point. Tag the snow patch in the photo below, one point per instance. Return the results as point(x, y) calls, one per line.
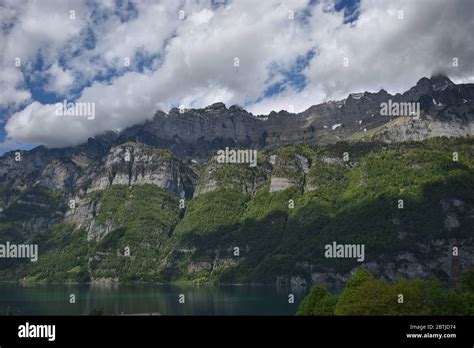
point(356, 96)
point(441, 88)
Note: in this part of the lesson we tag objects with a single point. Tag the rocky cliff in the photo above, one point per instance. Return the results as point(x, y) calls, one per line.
point(159, 190)
point(197, 133)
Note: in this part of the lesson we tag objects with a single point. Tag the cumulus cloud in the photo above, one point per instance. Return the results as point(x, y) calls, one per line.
point(12, 93)
point(194, 53)
point(38, 121)
point(30, 31)
point(60, 80)
point(393, 44)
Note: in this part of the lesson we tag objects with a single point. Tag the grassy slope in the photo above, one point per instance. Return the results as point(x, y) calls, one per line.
point(355, 202)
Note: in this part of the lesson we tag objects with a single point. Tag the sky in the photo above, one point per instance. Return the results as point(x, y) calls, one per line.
point(131, 58)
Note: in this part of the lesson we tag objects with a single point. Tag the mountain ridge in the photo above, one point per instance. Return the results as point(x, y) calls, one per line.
point(199, 132)
point(159, 189)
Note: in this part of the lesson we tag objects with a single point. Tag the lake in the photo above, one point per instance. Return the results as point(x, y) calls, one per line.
point(116, 299)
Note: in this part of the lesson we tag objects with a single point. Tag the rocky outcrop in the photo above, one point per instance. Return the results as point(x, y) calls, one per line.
point(407, 129)
point(134, 164)
point(446, 109)
point(176, 152)
point(198, 133)
point(437, 259)
point(237, 176)
point(59, 175)
point(83, 217)
point(280, 184)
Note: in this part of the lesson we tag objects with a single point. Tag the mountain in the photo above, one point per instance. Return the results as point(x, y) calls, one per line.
point(445, 109)
point(155, 203)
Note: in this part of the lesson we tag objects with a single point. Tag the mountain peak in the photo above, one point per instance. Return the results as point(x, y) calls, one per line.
point(436, 81)
point(216, 106)
point(236, 108)
point(440, 81)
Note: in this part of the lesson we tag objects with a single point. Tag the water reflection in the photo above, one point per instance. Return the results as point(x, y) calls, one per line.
point(115, 299)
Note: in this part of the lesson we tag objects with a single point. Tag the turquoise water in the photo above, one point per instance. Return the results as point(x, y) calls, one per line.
point(116, 299)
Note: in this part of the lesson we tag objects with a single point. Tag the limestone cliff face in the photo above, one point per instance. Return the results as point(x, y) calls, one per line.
point(129, 164)
point(83, 217)
point(73, 175)
point(407, 129)
point(135, 164)
point(240, 176)
point(289, 170)
point(176, 152)
point(58, 175)
point(280, 171)
point(195, 135)
point(446, 109)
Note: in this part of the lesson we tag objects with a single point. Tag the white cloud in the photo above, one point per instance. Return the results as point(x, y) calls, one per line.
point(41, 25)
point(194, 58)
point(12, 94)
point(60, 80)
point(391, 49)
point(201, 17)
point(38, 122)
point(198, 67)
point(31, 28)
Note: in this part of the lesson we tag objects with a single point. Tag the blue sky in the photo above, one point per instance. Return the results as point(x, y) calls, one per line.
point(183, 53)
point(36, 78)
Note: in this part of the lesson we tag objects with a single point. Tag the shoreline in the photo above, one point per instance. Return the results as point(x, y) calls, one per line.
point(178, 283)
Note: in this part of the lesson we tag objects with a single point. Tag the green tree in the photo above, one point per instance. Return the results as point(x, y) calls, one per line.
point(309, 303)
point(326, 305)
point(466, 281)
point(359, 277)
point(411, 297)
point(370, 297)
